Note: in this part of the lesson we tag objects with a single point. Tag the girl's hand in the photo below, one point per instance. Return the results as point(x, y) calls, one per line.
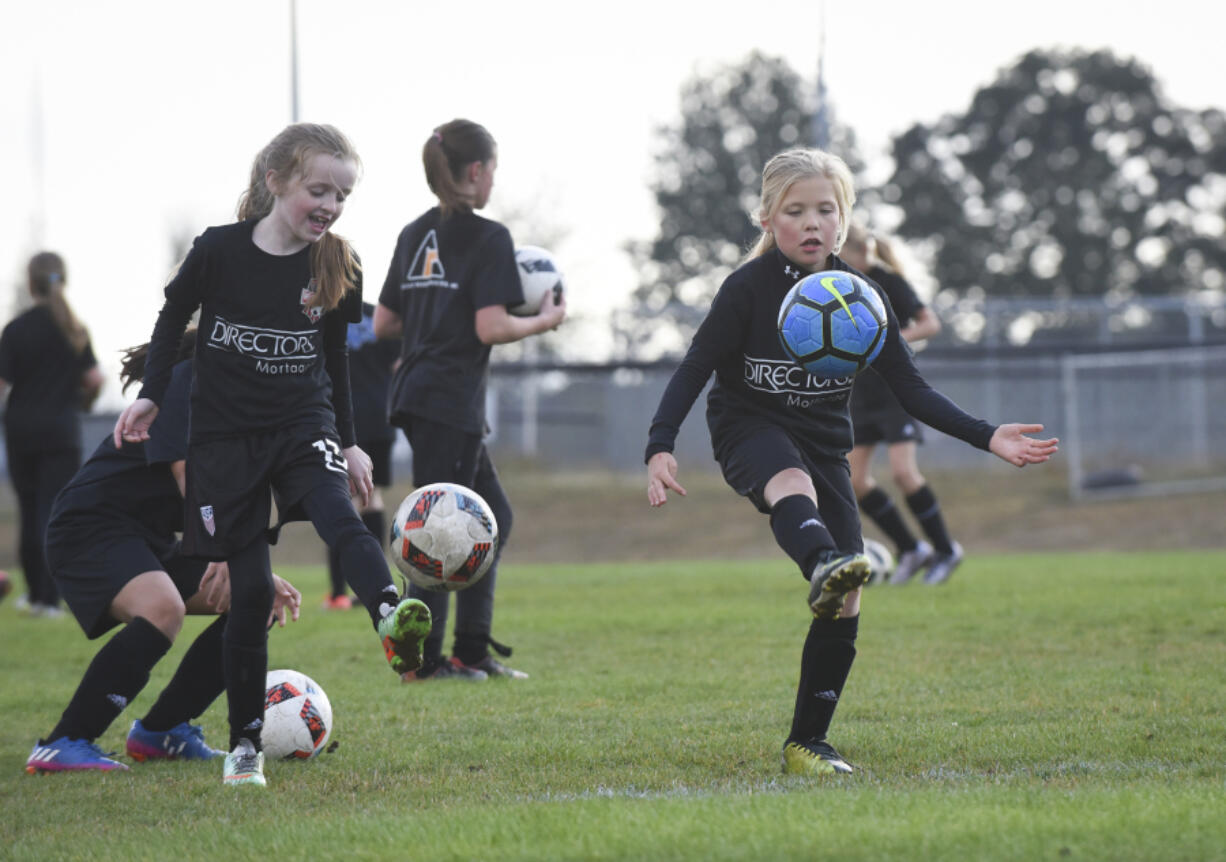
point(1011, 444)
point(285, 598)
point(215, 587)
point(662, 475)
point(361, 473)
point(553, 309)
point(133, 423)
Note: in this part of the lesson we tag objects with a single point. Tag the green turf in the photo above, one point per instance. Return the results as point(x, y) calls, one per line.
point(1054, 706)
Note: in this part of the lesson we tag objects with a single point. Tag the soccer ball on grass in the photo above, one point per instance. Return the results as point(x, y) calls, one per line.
point(297, 716)
point(444, 537)
point(880, 559)
point(832, 324)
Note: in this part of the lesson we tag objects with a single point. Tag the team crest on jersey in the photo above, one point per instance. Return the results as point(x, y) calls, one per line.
point(206, 515)
point(313, 312)
point(426, 263)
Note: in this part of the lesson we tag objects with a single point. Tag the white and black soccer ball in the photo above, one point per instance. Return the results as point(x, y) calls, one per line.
point(881, 560)
point(538, 274)
point(297, 716)
point(832, 324)
point(444, 537)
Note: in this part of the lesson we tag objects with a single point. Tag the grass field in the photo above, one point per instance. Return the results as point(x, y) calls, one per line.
point(1045, 706)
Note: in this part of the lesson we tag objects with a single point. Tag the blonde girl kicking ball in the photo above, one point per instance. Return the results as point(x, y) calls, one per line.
point(786, 451)
point(270, 408)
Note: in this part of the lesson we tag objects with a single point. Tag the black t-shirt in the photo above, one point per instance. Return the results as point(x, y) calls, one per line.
point(264, 360)
point(871, 392)
point(754, 378)
point(370, 371)
point(443, 271)
point(45, 375)
point(133, 484)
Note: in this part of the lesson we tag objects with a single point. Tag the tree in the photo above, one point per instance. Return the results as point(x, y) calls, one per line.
point(708, 173)
point(1069, 175)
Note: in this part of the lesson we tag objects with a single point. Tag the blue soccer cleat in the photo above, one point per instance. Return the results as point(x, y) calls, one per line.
point(182, 742)
point(69, 755)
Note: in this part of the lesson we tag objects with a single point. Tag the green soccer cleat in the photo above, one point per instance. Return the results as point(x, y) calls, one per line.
point(403, 631)
point(835, 577)
point(815, 757)
point(244, 765)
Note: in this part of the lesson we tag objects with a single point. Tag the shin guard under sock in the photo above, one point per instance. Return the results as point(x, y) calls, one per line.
point(116, 675)
point(825, 662)
point(882, 512)
point(800, 531)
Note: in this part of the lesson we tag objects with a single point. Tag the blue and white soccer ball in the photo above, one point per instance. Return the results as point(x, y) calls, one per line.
point(832, 324)
point(444, 537)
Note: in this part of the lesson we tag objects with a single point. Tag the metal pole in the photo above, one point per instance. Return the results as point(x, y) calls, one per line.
point(293, 59)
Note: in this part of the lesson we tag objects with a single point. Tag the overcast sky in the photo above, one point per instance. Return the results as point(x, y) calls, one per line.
point(129, 123)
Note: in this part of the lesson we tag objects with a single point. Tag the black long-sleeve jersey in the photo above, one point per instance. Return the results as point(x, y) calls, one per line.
point(444, 269)
point(265, 359)
point(739, 341)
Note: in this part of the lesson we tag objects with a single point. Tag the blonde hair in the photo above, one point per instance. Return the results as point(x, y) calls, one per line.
point(875, 249)
point(784, 170)
point(334, 266)
point(447, 152)
point(47, 277)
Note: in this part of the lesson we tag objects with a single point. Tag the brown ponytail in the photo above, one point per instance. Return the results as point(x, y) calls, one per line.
point(132, 366)
point(333, 264)
point(47, 277)
point(447, 152)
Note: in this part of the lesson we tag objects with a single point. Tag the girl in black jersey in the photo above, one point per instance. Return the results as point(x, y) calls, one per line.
point(451, 280)
point(270, 408)
point(877, 417)
point(781, 436)
point(113, 552)
point(45, 356)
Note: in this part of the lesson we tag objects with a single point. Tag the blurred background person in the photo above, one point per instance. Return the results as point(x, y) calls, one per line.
point(370, 372)
point(48, 368)
point(877, 417)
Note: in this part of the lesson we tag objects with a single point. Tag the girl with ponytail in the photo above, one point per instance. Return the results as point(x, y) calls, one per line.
point(271, 411)
point(45, 356)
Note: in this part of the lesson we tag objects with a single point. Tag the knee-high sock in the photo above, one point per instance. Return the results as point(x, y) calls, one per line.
point(360, 555)
point(825, 663)
point(116, 675)
point(245, 641)
point(882, 511)
point(800, 531)
point(198, 681)
point(923, 504)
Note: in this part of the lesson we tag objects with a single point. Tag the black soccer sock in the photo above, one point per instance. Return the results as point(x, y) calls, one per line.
point(199, 680)
point(116, 675)
point(336, 579)
point(377, 524)
point(923, 504)
point(245, 641)
point(882, 511)
point(361, 556)
point(800, 531)
point(825, 663)
point(366, 570)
